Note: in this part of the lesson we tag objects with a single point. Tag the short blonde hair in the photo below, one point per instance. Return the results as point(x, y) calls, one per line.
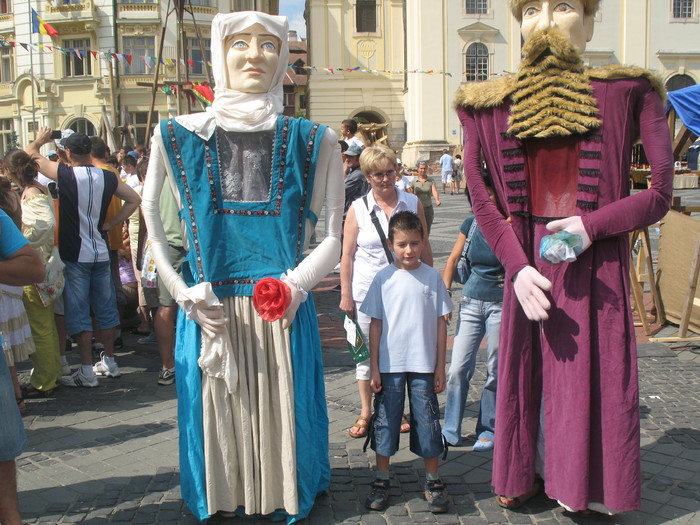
point(371, 156)
point(516, 6)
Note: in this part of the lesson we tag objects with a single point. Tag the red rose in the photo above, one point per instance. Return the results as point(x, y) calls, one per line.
point(271, 297)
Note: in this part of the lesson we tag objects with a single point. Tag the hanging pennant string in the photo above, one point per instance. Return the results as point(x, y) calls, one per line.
point(150, 61)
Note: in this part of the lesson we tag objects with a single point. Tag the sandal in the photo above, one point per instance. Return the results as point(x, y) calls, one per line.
point(405, 425)
point(30, 391)
point(361, 428)
point(512, 503)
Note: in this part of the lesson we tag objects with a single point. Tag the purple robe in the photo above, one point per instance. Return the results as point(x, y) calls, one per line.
point(581, 364)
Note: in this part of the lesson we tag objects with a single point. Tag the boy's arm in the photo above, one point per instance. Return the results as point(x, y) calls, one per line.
point(441, 354)
point(375, 335)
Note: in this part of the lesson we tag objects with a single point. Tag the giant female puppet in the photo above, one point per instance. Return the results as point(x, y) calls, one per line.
point(556, 138)
point(250, 184)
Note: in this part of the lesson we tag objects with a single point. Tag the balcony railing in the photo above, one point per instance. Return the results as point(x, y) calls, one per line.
point(7, 22)
point(82, 11)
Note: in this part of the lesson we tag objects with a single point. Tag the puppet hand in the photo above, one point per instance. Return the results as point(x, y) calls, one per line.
point(573, 225)
point(298, 297)
point(529, 285)
point(210, 318)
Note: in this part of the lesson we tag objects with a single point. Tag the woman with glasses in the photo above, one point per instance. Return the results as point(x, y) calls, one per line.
point(425, 190)
point(365, 253)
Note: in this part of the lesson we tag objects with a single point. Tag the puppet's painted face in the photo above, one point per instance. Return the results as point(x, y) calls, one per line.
point(252, 57)
point(567, 15)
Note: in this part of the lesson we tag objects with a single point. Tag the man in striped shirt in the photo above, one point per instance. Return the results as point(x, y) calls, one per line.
point(85, 193)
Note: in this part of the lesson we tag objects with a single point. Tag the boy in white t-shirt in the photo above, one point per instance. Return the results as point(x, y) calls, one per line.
point(407, 354)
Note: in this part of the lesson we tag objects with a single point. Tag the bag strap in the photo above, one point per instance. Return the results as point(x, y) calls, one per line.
point(472, 229)
point(382, 237)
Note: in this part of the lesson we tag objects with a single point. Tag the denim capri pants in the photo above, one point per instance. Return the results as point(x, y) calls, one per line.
point(12, 438)
point(426, 435)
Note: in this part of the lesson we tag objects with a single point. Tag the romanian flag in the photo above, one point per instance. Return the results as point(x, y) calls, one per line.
point(39, 26)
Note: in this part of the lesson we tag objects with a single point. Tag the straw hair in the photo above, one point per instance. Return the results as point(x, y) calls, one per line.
point(516, 6)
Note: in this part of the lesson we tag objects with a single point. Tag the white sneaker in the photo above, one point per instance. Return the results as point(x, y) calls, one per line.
point(78, 379)
point(66, 370)
point(101, 368)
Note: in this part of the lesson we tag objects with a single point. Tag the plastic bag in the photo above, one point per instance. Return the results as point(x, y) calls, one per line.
point(54, 282)
point(561, 247)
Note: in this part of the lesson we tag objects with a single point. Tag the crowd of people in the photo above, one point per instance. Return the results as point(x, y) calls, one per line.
point(238, 215)
point(93, 287)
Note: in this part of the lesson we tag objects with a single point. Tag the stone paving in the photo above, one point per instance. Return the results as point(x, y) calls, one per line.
point(109, 455)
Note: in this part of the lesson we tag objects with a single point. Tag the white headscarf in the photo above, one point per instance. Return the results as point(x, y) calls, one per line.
point(236, 111)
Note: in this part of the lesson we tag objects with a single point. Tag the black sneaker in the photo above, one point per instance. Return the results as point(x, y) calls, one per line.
point(436, 496)
point(118, 343)
point(378, 496)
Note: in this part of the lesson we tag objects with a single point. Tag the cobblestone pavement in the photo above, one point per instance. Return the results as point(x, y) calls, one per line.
point(109, 454)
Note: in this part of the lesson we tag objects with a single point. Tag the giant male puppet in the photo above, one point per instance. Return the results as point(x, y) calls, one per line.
point(250, 184)
point(557, 138)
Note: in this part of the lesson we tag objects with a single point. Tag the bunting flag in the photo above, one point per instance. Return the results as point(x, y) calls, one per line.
point(150, 61)
point(203, 93)
point(39, 26)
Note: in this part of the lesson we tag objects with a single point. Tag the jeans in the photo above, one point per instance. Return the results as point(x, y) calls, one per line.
point(426, 440)
point(89, 285)
point(476, 318)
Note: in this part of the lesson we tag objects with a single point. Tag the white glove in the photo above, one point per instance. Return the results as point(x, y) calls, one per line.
point(572, 225)
point(299, 295)
point(529, 285)
point(203, 307)
point(210, 318)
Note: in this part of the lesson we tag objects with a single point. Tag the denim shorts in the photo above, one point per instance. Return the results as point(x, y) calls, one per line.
point(12, 437)
point(426, 434)
point(89, 285)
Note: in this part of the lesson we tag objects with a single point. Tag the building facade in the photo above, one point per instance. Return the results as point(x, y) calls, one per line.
point(346, 35)
point(471, 40)
point(100, 81)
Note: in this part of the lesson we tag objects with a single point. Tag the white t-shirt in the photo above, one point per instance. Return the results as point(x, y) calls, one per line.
point(447, 163)
point(409, 303)
point(403, 184)
point(43, 179)
point(354, 141)
point(369, 255)
point(132, 180)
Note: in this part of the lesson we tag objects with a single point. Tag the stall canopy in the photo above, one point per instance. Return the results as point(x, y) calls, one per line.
point(686, 102)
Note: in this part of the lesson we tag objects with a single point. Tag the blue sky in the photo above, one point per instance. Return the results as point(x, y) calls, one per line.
point(294, 10)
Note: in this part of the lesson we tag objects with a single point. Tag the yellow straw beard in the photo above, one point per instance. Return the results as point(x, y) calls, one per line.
point(552, 96)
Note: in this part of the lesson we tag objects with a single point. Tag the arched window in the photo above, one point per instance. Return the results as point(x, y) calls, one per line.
point(477, 62)
point(679, 82)
point(83, 126)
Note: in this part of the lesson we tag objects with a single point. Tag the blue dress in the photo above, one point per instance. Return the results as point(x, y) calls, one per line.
point(233, 244)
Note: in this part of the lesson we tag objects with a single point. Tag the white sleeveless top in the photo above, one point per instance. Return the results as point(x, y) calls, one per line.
point(370, 256)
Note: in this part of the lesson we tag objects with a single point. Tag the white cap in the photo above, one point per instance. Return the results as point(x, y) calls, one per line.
point(64, 135)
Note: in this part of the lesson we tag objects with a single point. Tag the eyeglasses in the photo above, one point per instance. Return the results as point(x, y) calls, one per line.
point(380, 175)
